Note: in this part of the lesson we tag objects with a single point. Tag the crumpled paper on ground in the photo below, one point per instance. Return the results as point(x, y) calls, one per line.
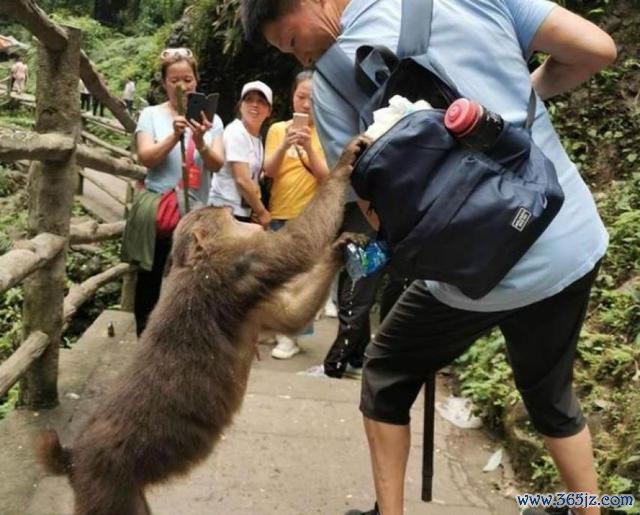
point(385, 117)
point(458, 411)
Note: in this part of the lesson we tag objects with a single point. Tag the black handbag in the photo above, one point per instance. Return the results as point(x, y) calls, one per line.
point(447, 212)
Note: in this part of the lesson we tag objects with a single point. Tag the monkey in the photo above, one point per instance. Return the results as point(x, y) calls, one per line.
point(228, 281)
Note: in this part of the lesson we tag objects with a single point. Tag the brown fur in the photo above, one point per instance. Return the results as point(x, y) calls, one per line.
point(169, 408)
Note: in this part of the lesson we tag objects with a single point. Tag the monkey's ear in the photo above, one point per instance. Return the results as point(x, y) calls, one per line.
point(200, 234)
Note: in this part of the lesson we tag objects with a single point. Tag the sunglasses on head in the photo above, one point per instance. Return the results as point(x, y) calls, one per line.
point(176, 53)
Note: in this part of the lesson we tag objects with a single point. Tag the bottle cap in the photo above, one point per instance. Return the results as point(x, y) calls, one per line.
point(461, 116)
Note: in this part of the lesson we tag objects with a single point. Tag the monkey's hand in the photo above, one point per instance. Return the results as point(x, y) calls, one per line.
point(341, 242)
point(351, 153)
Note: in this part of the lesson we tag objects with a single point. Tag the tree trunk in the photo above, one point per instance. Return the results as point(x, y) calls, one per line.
point(51, 187)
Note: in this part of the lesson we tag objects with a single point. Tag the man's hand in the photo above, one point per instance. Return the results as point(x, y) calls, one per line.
point(577, 50)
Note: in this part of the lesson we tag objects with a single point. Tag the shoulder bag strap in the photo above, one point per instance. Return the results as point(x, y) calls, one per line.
point(415, 31)
point(374, 63)
point(337, 69)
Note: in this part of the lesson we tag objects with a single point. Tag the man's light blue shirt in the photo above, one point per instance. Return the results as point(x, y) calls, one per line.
point(483, 46)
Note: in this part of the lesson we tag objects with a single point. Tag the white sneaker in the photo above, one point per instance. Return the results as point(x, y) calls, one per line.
point(330, 309)
point(286, 347)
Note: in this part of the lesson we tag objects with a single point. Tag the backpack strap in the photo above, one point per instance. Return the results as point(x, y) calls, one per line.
point(374, 65)
point(415, 31)
point(335, 67)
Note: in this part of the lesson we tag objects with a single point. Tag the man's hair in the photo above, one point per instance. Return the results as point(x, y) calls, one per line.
point(254, 14)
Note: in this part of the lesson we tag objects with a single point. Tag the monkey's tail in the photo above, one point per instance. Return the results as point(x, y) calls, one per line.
point(51, 455)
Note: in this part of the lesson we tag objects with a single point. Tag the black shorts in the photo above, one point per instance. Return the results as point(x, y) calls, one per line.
point(421, 334)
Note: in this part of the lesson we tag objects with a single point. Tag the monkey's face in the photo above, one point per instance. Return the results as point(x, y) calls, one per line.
point(207, 231)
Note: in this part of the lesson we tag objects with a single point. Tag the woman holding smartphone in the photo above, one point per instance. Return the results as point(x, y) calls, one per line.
point(158, 133)
point(296, 163)
point(236, 185)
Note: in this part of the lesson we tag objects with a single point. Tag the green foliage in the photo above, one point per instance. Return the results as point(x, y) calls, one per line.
point(219, 20)
point(94, 34)
point(116, 56)
point(212, 29)
point(600, 126)
point(589, 8)
point(13, 114)
point(486, 377)
point(544, 470)
point(10, 324)
point(9, 401)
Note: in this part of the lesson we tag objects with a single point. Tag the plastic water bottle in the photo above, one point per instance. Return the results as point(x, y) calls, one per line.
point(483, 130)
point(363, 261)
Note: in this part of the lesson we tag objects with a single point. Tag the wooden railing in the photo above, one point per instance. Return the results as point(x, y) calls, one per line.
point(56, 152)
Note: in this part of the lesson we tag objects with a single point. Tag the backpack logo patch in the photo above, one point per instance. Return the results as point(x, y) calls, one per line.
point(521, 219)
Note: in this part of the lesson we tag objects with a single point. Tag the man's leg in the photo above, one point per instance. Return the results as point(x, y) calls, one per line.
point(541, 343)
point(389, 449)
point(419, 335)
point(573, 456)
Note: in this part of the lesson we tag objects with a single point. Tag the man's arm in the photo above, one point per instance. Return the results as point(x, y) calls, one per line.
point(577, 50)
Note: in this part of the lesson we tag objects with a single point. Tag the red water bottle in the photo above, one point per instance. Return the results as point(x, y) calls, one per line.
point(472, 124)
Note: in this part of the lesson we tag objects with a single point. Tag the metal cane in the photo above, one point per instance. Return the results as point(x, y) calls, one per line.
point(428, 436)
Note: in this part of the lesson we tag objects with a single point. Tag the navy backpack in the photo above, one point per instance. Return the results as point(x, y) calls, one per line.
point(447, 212)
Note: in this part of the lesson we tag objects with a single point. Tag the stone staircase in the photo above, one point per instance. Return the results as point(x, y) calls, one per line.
point(297, 446)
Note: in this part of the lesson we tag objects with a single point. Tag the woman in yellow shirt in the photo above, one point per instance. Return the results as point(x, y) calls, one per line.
point(296, 163)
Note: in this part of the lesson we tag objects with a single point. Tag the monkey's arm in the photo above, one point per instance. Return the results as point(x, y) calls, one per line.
point(295, 304)
point(280, 256)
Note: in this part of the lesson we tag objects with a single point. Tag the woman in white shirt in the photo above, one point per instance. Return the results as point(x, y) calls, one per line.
point(236, 185)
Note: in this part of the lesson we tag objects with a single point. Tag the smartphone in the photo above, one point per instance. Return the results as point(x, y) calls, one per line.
point(300, 120)
point(198, 102)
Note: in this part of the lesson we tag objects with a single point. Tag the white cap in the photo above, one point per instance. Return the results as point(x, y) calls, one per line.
point(260, 86)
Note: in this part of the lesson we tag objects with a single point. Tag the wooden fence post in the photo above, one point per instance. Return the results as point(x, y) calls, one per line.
point(128, 292)
point(51, 188)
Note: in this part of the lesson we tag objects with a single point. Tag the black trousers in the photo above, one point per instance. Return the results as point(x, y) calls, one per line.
point(148, 285)
point(97, 106)
point(421, 335)
point(85, 101)
point(354, 304)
